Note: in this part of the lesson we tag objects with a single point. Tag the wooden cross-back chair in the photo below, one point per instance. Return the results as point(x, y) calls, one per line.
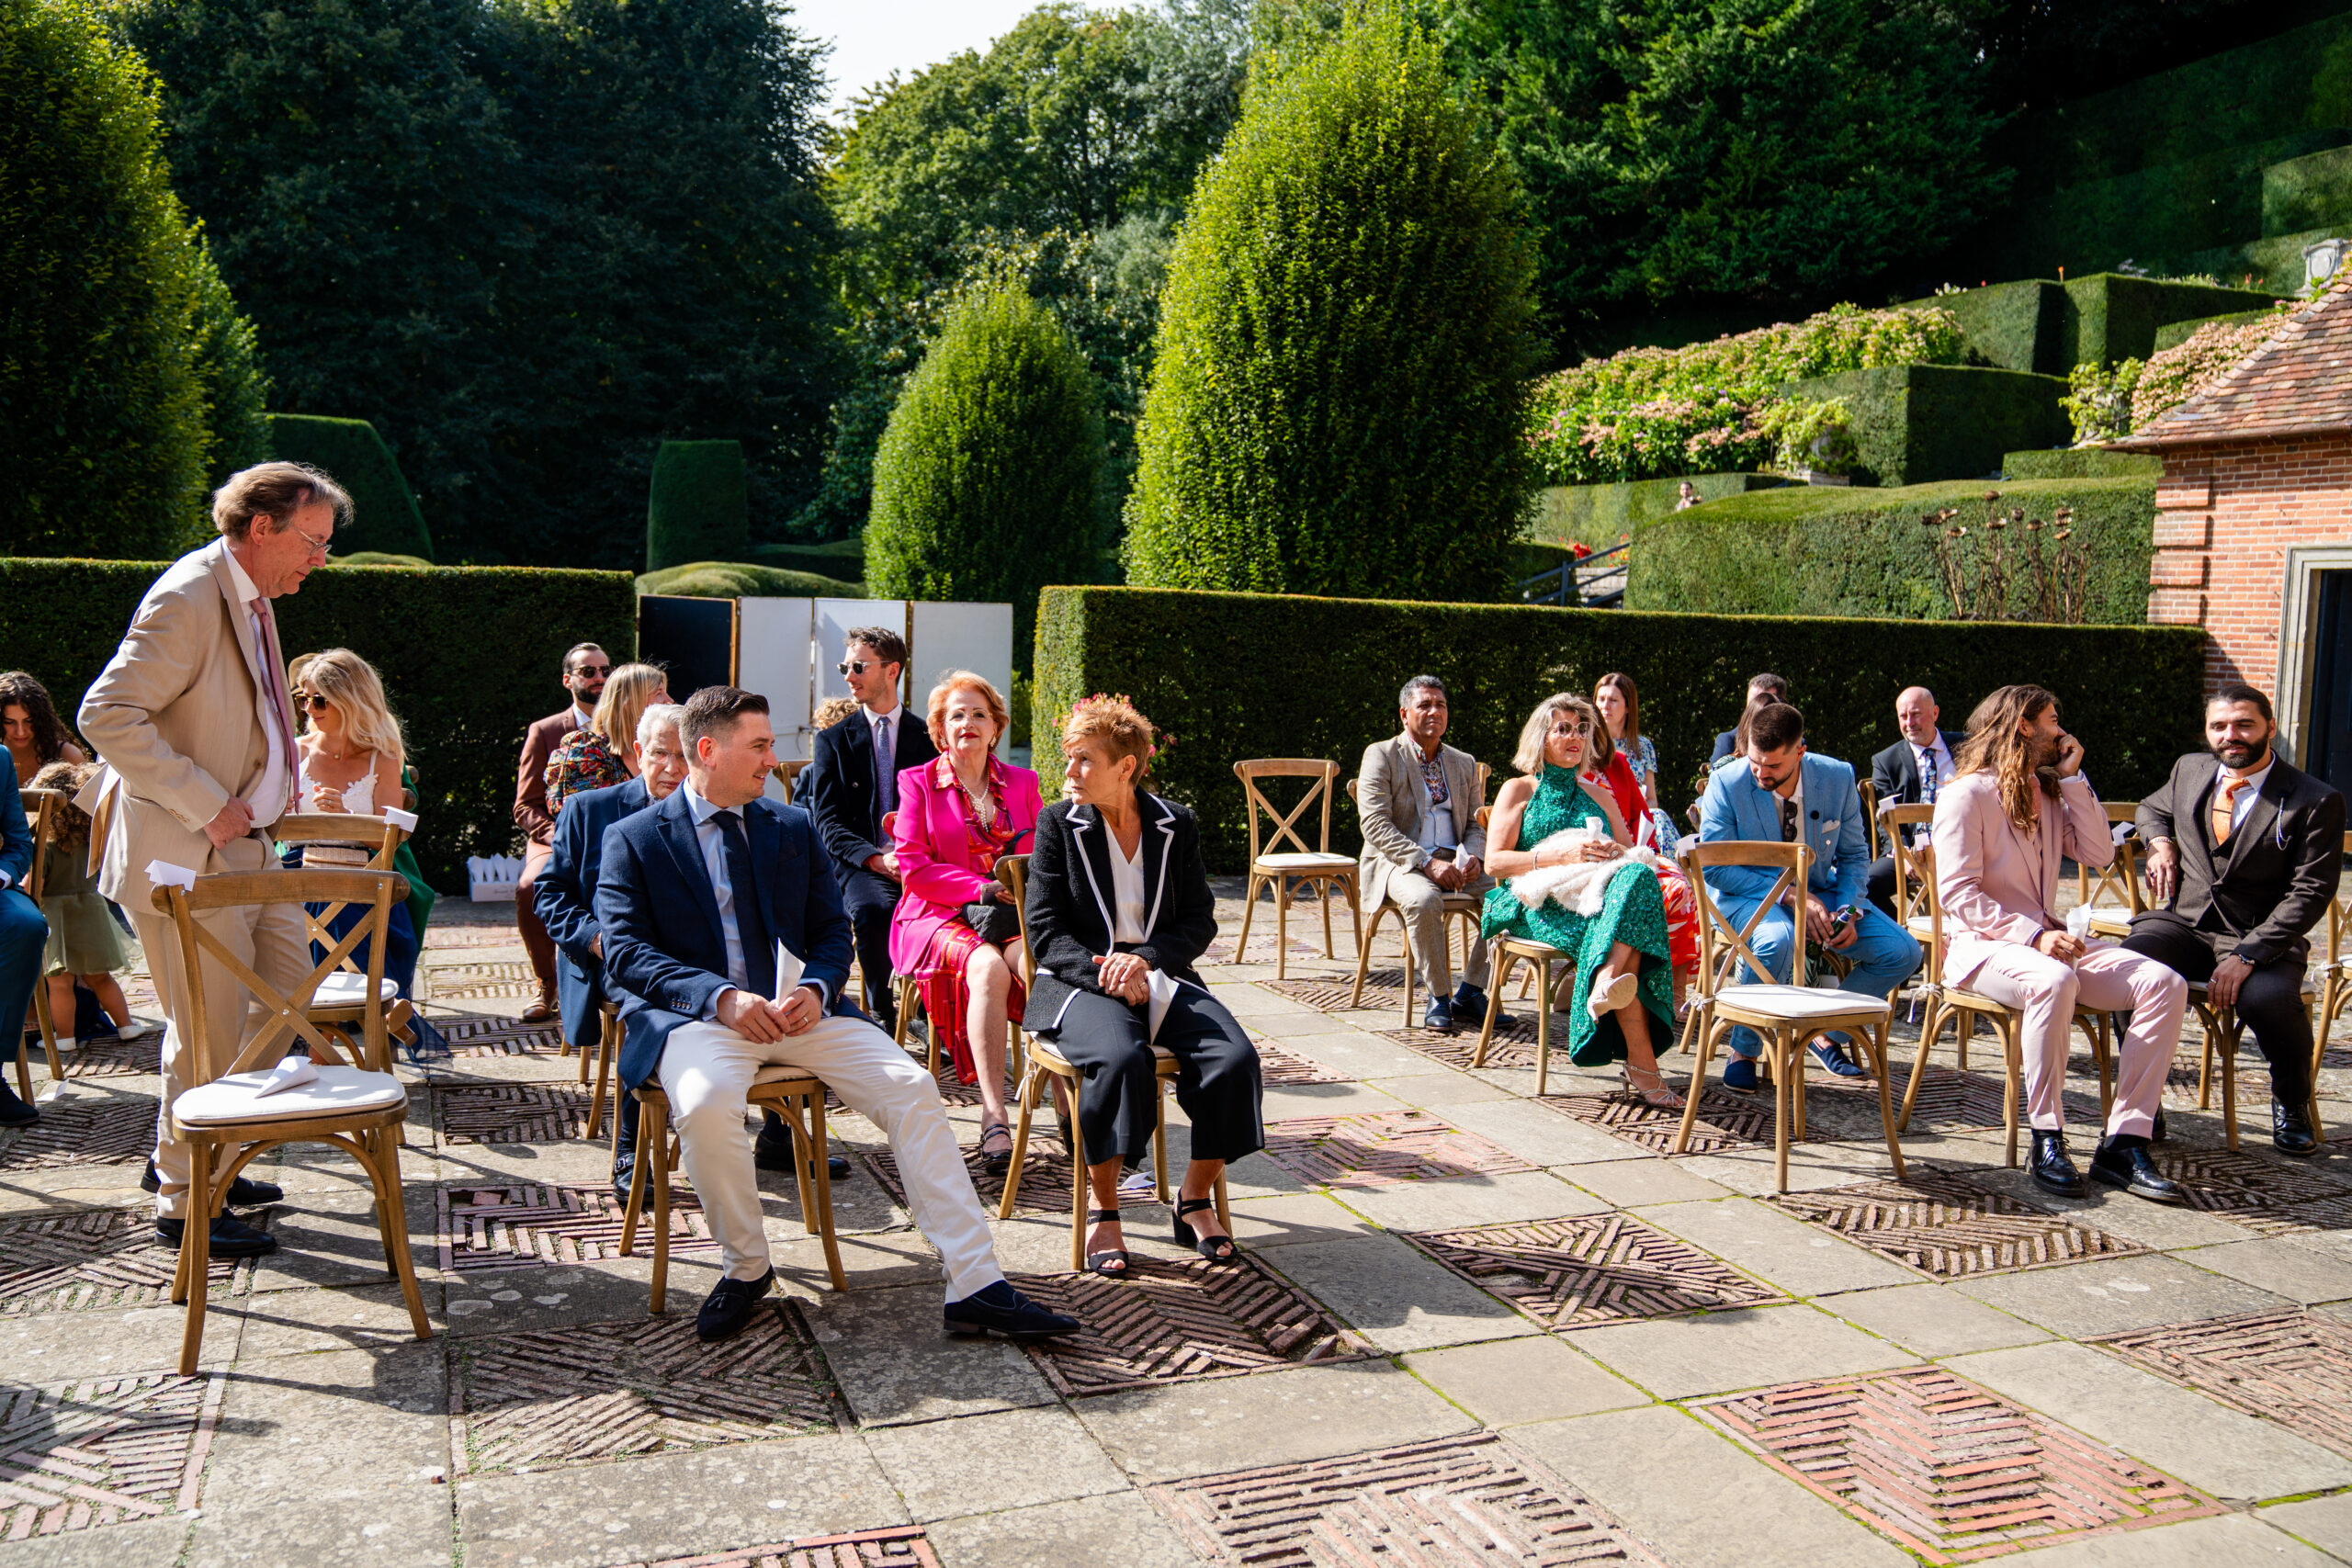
point(2335, 988)
point(341, 994)
point(1786, 1016)
point(43, 812)
point(1272, 865)
point(356, 1104)
point(787, 774)
point(1869, 792)
point(1463, 908)
point(2115, 892)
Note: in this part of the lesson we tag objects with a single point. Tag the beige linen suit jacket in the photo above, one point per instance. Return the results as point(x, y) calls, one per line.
point(1390, 798)
point(1998, 883)
point(178, 718)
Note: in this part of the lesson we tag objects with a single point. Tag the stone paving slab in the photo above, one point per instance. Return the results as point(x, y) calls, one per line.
point(148, 1543)
point(1015, 1459)
point(2323, 1522)
point(1777, 1247)
point(1718, 1351)
point(2110, 1297)
point(1396, 1297)
point(1508, 1383)
point(1307, 1413)
point(1931, 1319)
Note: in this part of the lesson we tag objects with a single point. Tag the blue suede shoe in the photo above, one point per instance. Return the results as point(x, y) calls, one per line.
point(1831, 1057)
point(1739, 1073)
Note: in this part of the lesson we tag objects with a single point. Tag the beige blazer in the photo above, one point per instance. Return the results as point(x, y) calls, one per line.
point(178, 719)
point(1997, 885)
point(1390, 798)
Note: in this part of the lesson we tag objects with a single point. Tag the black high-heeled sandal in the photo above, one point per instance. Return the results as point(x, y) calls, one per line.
point(996, 1162)
point(1206, 1246)
point(1095, 1261)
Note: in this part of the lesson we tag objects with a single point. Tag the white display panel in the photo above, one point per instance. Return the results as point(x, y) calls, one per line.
point(977, 637)
point(834, 617)
point(774, 657)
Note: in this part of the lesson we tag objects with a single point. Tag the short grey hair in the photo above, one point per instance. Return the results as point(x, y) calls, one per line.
point(1420, 684)
point(658, 715)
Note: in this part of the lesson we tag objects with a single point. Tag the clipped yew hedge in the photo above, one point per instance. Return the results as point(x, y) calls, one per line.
point(470, 656)
point(1236, 675)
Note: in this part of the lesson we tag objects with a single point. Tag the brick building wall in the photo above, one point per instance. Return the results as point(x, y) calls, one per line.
point(2226, 515)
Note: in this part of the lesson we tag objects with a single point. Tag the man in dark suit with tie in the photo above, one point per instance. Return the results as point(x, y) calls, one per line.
point(1909, 773)
point(2245, 852)
point(852, 784)
point(725, 937)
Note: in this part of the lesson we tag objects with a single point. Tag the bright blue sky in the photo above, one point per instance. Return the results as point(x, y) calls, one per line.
point(873, 38)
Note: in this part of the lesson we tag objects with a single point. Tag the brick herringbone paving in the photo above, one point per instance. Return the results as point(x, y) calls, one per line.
point(1382, 989)
point(1381, 1148)
point(1726, 1120)
point(1179, 1321)
point(480, 982)
point(2263, 1194)
point(76, 1456)
point(512, 1112)
point(903, 1547)
point(1045, 1176)
point(1950, 1471)
point(1511, 1047)
point(2293, 1367)
point(502, 1227)
point(608, 1390)
point(116, 1129)
point(500, 1037)
point(1602, 1269)
point(99, 1258)
point(1458, 1500)
point(113, 1058)
point(1276, 1066)
point(445, 939)
point(1948, 1227)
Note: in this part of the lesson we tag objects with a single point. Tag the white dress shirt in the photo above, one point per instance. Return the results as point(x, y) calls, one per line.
point(269, 799)
point(711, 840)
point(1127, 890)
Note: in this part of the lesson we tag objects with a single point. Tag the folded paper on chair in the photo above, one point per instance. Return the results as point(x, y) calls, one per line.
point(164, 874)
point(291, 1072)
point(404, 820)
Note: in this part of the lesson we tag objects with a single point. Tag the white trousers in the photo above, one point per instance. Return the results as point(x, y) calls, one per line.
point(706, 1071)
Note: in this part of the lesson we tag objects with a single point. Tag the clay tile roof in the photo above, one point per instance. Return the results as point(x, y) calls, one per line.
point(2299, 383)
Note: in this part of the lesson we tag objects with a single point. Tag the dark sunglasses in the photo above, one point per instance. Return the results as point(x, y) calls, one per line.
point(593, 670)
point(854, 667)
point(312, 702)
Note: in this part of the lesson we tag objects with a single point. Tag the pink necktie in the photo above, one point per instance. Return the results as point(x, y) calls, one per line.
point(273, 681)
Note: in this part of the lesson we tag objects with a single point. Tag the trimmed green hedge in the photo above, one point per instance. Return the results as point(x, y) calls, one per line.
point(470, 656)
point(1595, 515)
point(732, 580)
point(1819, 551)
point(2111, 318)
point(2308, 192)
point(384, 518)
point(843, 560)
point(2017, 326)
point(698, 508)
point(2080, 463)
point(1202, 666)
point(1918, 423)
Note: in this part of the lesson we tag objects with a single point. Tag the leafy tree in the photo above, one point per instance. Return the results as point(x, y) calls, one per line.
point(103, 430)
point(228, 366)
point(1338, 400)
point(984, 481)
point(1764, 150)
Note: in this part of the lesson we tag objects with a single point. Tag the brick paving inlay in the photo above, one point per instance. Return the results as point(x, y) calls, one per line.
point(1180, 1321)
point(607, 1390)
point(480, 982)
point(2294, 1368)
point(1573, 1273)
point(1726, 1120)
point(904, 1547)
point(1948, 1227)
point(1950, 1471)
point(116, 1129)
point(1381, 1148)
point(100, 1257)
point(1382, 989)
point(500, 1037)
point(1511, 1047)
point(505, 1227)
point(1454, 1503)
point(1276, 1066)
point(1045, 1176)
point(113, 1058)
point(2261, 1193)
point(512, 1112)
point(77, 1456)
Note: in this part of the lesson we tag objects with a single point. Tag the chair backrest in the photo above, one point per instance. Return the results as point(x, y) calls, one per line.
point(2117, 882)
point(379, 836)
point(1915, 877)
point(42, 815)
point(288, 1012)
point(1013, 871)
point(2339, 916)
point(788, 775)
point(1869, 792)
point(1723, 950)
point(1284, 827)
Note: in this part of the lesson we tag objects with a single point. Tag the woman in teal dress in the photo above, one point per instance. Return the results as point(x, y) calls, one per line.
point(1624, 989)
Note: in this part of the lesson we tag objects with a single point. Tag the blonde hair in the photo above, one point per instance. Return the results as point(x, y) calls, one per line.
point(955, 681)
point(1598, 747)
point(629, 690)
point(832, 711)
point(351, 683)
point(1121, 732)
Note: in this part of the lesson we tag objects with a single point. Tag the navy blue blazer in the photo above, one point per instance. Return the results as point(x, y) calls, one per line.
point(665, 956)
point(567, 900)
point(15, 834)
point(837, 786)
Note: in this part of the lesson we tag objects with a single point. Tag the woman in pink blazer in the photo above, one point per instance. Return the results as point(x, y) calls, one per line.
point(957, 814)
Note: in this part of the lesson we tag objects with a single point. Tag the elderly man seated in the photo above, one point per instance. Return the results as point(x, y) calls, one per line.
point(1776, 793)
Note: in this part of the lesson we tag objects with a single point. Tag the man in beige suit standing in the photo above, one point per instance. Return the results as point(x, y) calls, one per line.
point(192, 720)
point(1418, 799)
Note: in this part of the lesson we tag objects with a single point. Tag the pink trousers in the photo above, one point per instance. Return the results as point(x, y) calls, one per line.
point(2046, 989)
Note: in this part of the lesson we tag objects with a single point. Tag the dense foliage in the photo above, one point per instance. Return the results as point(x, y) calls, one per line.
point(698, 508)
point(126, 373)
point(526, 240)
point(1338, 397)
point(2177, 374)
point(985, 482)
point(1654, 413)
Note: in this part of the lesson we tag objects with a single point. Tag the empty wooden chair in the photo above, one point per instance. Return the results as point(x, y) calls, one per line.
point(341, 993)
point(2114, 893)
point(1272, 865)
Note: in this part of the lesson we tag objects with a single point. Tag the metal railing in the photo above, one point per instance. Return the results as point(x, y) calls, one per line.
point(1597, 581)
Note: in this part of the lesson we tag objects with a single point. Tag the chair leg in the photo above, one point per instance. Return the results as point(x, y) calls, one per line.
point(816, 1183)
point(1282, 927)
point(1785, 1072)
point(604, 1081)
point(1410, 978)
point(1363, 966)
point(1543, 1029)
point(386, 1169)
point(196, 1254)
point(1224, 1209)
point(2228, 1045)
point(2102, 1041)
point(1159, 1137)
point(661, 1174)
point(2328, 1006)
point(1020, 1139)
point(1880, 1052)
point(648, 1128)
point(1323, 897)
point(1929, 1027)
point(1248, 912)
point(48, 1029)
point(1504, 960)
point(2012, 1077)
point(1077, 1211)
point(25, 1071)
point(1705, 1048)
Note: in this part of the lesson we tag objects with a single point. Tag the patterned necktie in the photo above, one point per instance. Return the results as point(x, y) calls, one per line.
point(1788, 820)
point(2225, 808)
point(273, 686)
point(886, 769)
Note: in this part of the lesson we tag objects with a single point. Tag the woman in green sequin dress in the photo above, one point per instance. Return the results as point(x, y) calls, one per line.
point(1623, 991)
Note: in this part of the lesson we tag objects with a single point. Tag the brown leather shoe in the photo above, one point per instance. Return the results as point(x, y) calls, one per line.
point(544, 1010)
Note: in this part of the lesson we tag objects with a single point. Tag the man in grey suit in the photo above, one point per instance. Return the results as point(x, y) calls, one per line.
point(1418, 799)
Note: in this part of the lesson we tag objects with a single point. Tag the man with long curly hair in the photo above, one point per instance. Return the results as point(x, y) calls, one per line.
point(2019, 807)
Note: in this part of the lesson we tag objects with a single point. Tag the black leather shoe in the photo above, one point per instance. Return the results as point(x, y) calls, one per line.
point(730, 1307)
point(1440, 1016)
point(2052, 1171)
point(14, 1112)
point(1004, 1310)
point(2157, 1134)
point(2291, 1130)
point(244, 1193)
point(771, 1154)
point(2124, 1161)
point(1470, 1006)
point(231, 1237)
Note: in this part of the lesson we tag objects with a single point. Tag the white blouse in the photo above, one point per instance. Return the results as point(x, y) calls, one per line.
point(1127, 890)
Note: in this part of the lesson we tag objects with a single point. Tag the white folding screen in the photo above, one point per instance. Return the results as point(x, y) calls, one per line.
point(834, 617)
point(977, 637)
point(773, 658)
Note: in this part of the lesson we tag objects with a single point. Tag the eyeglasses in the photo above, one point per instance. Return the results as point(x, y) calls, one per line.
point(591, 669)
point(854, 667)
point(318, 547)
point(313, 702)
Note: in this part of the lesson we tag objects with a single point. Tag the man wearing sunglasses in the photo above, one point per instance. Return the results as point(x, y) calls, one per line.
point(851, 786)
point(584, 669)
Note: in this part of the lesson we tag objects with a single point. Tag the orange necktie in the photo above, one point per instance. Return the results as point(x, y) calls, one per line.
point(2225, 808)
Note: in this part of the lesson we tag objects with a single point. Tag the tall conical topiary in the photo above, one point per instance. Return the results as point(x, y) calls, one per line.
point(1337, 400)
point(984, 484)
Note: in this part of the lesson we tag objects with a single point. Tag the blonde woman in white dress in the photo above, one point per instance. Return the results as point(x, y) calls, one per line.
point(351, 757)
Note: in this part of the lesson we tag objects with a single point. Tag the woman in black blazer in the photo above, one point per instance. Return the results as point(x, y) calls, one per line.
point(1119, 907)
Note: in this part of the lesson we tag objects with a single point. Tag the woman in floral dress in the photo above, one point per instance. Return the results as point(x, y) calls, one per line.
point(1623, 1001)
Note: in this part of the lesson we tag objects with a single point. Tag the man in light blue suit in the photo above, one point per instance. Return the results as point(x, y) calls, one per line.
point(1777, 791)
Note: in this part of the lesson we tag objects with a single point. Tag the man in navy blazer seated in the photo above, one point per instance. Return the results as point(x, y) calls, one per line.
point(1773, 793)
point(725, 937)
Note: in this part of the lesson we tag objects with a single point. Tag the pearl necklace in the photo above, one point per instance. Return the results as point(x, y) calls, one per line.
point(978, 797)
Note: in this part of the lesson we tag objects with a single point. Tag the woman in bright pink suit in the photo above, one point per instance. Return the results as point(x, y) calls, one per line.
point(957, 929)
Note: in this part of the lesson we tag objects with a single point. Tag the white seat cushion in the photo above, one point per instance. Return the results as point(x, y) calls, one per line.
point(337, 1091)
point(1922, 927)
point(1797, 1002)
point(1309, 861)
point(345, 990)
